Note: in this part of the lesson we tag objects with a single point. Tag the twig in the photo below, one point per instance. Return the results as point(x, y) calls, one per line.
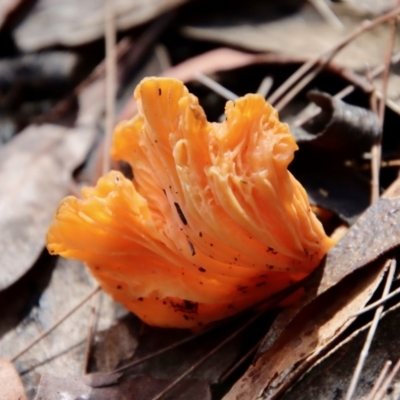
point(380, 379)
point(377, 146)
point(316, 110)
point(371, 332)
point(350, 89)
point(376, 303)
point(91, 330)
point(330, 17)
point(240, 362)
point(167, 348)
point(323, 59)
point(216, 87)
point(163, 57)
point(205, 358)
point(381, 392)
point(265, 86)
point(54, 326)
point(110, 81)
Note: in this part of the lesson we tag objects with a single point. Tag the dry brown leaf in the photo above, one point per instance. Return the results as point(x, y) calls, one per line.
point(62, 352)
point(10, 383)
point(136, 387)
point(330, 378)
point(301, 34)
point(307, 336)
point(35, 174)
point(371, 6)
point(375, 233)
point(220, 59)
point(72, 23)
point(7, 7)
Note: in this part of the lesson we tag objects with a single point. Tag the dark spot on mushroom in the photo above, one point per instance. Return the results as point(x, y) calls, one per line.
point(200, 234)
point(201, 269)
point(201, 282)
point(159, 91)
point(271, 250)
point(191, 247)
point(230, 306)
point(119, 287)
point(180, 213)
point(140, 298)
point(242, 288)
point(186, 306)
point(260, 284)
point(211, 245)
point(185, 316)
point(165, 192)
point(164, 302)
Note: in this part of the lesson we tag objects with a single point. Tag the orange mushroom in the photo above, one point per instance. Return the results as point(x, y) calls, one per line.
point(212, 223)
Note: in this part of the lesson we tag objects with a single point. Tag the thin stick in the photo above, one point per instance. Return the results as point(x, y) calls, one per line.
point(339, 95)
point(216, 87)
point(167, 348)
point(205, 358)
point(380, 379)
point(330, 17)
point(376, 303)
point(376, 149)
point(54, 326)
point(350, 89)
point(110, 81)
point(265, 86)
point(240, 362)
point(371, 332)
point(325, 57)
point(91, 330)
point(382, 390)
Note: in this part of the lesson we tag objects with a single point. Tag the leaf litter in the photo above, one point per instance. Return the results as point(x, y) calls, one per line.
point(358, 292)
point(35, 171)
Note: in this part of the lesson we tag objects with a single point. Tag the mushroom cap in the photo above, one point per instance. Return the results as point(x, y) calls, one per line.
point(212, 223)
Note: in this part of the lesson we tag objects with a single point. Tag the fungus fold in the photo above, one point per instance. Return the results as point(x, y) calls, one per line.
point(212, 222)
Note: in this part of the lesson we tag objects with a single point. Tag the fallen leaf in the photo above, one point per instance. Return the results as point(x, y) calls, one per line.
point(55, 291)
point(145, 387)
point(72, 388)
point(99, 379)
point(295, 31)
point(340, 131)
point(7, 7)
point(326, 379)
point(376, 232)
point(220, 59)
point(136, 387)
point(370, 6)
point(10, 383)
point(301, 32)
point(116, 344)
point(35, 172)
point(77, 22)
point(334, 187)
point(308, 335)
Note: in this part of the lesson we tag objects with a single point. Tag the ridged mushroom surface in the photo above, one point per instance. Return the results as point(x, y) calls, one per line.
point(212, 222)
